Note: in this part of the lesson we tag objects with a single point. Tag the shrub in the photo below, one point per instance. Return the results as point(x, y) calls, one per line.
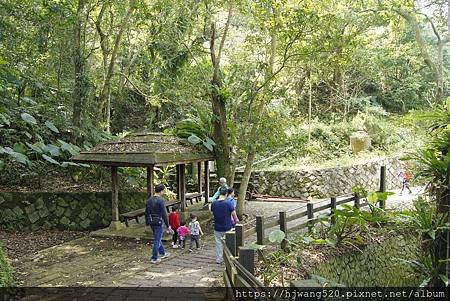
point(6, 277)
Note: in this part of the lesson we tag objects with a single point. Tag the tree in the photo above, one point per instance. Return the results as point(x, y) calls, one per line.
point(219, 110)
point(80, 90)
point(109, 54)
point(436, 67)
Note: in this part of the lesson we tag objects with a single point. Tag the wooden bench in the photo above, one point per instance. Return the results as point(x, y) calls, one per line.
point(194, 196)
point(135, 214)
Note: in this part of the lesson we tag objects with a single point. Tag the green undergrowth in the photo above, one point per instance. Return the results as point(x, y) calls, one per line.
point(329, 143)
point(6, 274)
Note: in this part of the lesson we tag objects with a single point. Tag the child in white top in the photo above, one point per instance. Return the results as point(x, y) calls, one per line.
point(195, 231)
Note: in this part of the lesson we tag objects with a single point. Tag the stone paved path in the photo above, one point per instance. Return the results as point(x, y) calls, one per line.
point(99, 262)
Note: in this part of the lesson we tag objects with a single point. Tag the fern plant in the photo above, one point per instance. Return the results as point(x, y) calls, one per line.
point(434, 166)
point(197, 130)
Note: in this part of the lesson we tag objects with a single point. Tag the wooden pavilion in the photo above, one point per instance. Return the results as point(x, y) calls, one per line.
point(149, 150)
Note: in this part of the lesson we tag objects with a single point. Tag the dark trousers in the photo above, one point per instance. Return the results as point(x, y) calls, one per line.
point(195, 239)
point(405, 184)
point(175, 237)
point(182, 242)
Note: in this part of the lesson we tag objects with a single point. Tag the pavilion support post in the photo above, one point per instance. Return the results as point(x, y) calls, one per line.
point(199, 177)
point(150, 181)
point(182, 187)
point(178, 182)
point(115, 223)
point(206, 181)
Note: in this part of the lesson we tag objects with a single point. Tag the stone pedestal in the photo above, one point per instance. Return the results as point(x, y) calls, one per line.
point(116, 225)
point(360, 141)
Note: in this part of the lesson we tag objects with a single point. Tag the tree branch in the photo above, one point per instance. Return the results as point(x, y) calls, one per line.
point(225, 32)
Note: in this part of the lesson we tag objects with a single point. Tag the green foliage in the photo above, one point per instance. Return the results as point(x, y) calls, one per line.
point(273, 264)
point(197, 130)
point(276, 236)
point(433, 163)
point(32, 145)
point(359, 59)
point(434, 158)
point(425, 220)
point(6, 274)
point(430, 225)
point(351, 226)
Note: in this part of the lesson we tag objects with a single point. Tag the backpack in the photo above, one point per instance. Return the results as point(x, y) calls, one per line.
point(408, 176)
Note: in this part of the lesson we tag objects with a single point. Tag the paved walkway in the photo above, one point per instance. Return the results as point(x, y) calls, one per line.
point(99, 262)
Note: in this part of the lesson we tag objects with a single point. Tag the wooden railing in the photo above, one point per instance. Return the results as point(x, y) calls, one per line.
point(240, 260)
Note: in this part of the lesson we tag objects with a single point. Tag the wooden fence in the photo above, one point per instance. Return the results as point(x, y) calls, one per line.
point(239, 260)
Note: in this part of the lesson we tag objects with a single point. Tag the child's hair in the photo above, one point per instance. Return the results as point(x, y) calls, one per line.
point(193, 216)
point(230, 190)
point(182, 223)
point(174, 208)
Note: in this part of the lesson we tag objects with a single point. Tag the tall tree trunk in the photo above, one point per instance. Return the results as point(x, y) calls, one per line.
point(255, 124)
point(220, 135)
point(105, 94)
point(220, 126)
point(80, 86)
point(244, 183)
point(440, 72)
point(435, 68)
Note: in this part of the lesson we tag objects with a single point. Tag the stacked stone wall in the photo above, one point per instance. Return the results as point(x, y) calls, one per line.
point(64, 210)
point(327, 182)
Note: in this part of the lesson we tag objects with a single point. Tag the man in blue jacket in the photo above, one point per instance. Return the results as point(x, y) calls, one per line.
point(155, 216)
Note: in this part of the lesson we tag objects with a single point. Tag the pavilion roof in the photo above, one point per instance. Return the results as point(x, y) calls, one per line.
point(144, 149)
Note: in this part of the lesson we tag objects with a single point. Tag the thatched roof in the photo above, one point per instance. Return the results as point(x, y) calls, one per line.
point(144, 149)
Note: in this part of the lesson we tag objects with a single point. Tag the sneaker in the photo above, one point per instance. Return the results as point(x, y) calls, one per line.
point(153, 261)
point(165, 255)
point(174, 247)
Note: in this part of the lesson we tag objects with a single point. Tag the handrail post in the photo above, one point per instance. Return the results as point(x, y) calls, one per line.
point(239, 229)
point(230, 242)
point(310, 212)
point(357, 201)
point(382, 185)
point(283, 222)
point(260, 230)
point(247, 259)
point(333, 207)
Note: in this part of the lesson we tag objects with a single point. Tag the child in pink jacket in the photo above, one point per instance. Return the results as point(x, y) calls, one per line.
point(182, 231)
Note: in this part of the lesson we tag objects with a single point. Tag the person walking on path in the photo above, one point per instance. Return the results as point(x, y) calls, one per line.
point(155, 216)
point(195, 230)
point(405, 177)
point(231, 198)
point(183, 232)
point(174, 223)
point(222, 183)
point(221, 210)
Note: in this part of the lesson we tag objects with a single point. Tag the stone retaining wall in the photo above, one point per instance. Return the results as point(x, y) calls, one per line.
point(62, 210)
point(324, 183)
point(378, 265)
